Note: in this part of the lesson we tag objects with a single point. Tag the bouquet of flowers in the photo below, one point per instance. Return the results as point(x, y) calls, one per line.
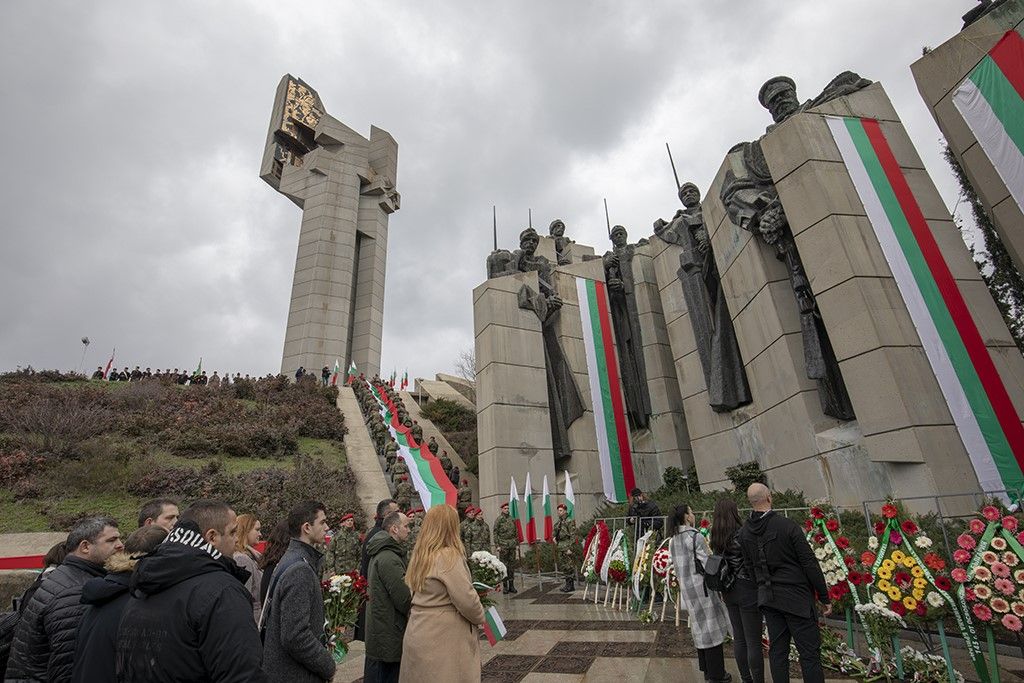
point(487, 572)
point(989, 570)
point(617, 570)
point(919, 666)
point(645, 547)
point(704, 527)
point(344, 594)
point(834, 554)
point(594, 549)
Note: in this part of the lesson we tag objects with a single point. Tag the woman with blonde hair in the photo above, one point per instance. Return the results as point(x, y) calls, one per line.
point(441, 641)
point(247, 557)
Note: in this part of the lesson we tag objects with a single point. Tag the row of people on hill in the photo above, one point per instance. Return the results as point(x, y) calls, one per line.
point(170, 376)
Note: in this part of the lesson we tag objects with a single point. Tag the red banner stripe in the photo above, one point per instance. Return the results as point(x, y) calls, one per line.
point(621, 429)
point(22, 562)
point(1008, 54)
point(983, 365)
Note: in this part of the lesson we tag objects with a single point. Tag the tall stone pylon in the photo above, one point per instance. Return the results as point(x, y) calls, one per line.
point(345, 186)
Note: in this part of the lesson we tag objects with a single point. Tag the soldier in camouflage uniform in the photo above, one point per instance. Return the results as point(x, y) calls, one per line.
point(481, 533)
point(343, 551)
point(391, 452)
point(432, 446)
point(507, 541)
point(417, 431)
point(399, 470)
point(465, 529)
point(446, 462)
point(465, 497)
point(565, 537)
point(415, 523)
point(404, 493)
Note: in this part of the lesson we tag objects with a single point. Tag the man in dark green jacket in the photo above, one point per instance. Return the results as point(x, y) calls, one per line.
point(390, 600)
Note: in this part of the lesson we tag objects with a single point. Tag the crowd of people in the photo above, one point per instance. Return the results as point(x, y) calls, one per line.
point(170, 376)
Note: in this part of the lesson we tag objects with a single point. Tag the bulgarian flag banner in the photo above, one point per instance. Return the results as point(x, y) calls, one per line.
point(425, 471)
point(513, 510)
point(570, 498)
point(351, 372)
point(494, 627)
point(991, 100)
point(987, 421)
point(529, 522)
point(337, 371)
point(549, 534)
point(110, 363)
point(613, 446)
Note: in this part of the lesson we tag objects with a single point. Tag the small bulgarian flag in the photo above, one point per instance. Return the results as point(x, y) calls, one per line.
point(984, 414)
point(549, 534)
point(570, 498)
point(530, 523)
point(110, 363)
point(199, 368)
point(351, 372)
point(494, 627)
point(991, 100)
point(513, 510)
point(405, 380)
point(337, 371)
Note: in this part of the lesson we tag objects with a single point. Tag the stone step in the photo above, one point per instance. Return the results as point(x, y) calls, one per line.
point(430, 430)
point(372, 485)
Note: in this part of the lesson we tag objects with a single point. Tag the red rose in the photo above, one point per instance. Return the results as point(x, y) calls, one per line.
point(921, 609)
point(879, 528)
point(819, 538)
point(849, 561)
point(898, 608)
point(808, 525)
point(909, 527)
point(842, 543)
point(942, 583)
point(832, 525)
point(835, 592)
point(854, 578)
point(889, 511)
point(817, 513)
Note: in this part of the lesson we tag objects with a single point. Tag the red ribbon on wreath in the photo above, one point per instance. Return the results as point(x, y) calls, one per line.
point(604, 539)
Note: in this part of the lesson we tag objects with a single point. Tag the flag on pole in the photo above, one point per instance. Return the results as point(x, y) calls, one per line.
point(351, 373)
point(337, 371)
point(513, 510)
point(494, 627)
point(394, 379)
point(530, 522)
point(110, 363)
point(199, 368)
point(549, 534)
point(405, 380)
point(570, 498)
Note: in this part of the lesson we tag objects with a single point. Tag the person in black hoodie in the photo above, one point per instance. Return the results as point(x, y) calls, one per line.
point(106, 597)
point(190, 616)
point(44, 642)
point(789, 578)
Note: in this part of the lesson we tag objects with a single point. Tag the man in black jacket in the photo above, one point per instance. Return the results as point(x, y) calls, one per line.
point(190, 615)
point(644, 511)
point(44, 642)
point(789, 578)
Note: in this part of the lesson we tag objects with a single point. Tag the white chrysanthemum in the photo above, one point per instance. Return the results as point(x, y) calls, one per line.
point(830, 578)
point(880, 600)
point(923, 542)
point(819, 553)
point(873, 543)
point(934, 599)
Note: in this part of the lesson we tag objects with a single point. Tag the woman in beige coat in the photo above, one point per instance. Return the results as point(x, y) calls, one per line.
point(441, 640)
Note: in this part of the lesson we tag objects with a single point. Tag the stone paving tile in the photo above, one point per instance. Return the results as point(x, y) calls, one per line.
point(618, 670)
point(539, 677)
point(511, 663)
point(609, 636)
point(564, 665)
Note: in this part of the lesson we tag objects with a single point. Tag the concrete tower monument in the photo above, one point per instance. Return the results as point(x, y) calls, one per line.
point(345, 185)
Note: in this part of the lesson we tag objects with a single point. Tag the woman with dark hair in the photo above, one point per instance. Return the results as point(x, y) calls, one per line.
point(709, 622)
point(277, 544)
point(739, 591)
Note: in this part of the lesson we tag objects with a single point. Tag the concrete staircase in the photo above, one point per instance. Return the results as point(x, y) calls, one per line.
point(372, 484)
point(430, 430)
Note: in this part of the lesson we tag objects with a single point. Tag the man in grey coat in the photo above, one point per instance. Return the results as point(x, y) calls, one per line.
point(294, 642)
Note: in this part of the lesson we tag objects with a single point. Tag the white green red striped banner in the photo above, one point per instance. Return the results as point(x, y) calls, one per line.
point(529, 521)
point(425, 471)
point(494, 627)
point(549, 533)
point(981, 408)
point(570, 498)
point(613, 447)
point(513, 510)
point(991, 100)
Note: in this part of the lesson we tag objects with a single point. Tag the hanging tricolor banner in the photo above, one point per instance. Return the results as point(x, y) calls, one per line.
point(977, 398)
point(425, 471)
point(549, 533)
point(513, 510)
point(529, 522)
point(336, 372)
point(351, 372)
point(613, 446)
point(570, 498)
point(494, 627)
point(991, 100)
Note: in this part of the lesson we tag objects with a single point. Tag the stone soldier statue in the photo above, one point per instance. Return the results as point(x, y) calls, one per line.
point(752, 202)
point(399, 470)
point(404, 492)
point(432, 446)
point(618, 268)
point(713, 331)
point(557, 231)
point(507, 542)
point(465, 497)
point(565, 538)
point(343, 550)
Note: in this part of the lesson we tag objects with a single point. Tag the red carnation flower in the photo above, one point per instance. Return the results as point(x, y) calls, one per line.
point(895, 538)
point(835, 592)
point(889, 511)
point(854, 578)
point(817, 513)
point(705, 524)
point(934, 562)
point(921, 610)
point(849, 561)
point(902, 579)
point(898, 608)
point(842, 542)
point(819, 538)
point(943, 583)
point(990, 513)
point(832, 525)
point(879, 528)
point(808, 525)
point(909, 527)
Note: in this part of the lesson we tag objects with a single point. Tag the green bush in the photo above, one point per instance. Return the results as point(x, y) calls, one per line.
point(449, 416)
point(745, 474)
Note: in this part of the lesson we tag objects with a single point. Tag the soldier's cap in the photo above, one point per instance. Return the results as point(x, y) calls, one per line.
point(347, 516)
point(772, 87)
point(562, 506)
point(465, 481)
point(616, 229)
point(405, 478)
point(504, 506)
point(529, 232)
point(686, 186)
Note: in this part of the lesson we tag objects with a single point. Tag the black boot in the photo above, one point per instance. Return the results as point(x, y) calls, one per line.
point(565, 587)
point(572, 584)
point(511, 590)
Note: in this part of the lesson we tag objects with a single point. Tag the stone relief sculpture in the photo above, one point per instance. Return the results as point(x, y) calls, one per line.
point(557, 230)
point(717, 348)
point(753, 204)
point(618, 269)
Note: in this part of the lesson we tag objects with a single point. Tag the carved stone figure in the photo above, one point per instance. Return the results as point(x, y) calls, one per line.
point(753, 204)
point(565, 404)
point(983, 8)
point(717, 348)
point(557, 230)
point(618, 270)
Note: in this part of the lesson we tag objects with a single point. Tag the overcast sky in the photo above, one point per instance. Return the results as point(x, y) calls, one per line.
point(132, 208)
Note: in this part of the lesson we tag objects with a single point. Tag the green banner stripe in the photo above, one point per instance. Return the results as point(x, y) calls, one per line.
point(1002, 97)
point(606, 394)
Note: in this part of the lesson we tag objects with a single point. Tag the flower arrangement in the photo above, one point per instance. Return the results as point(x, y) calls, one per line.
point(344, 594)
point(836, 557)
point(704, 527)
point(990, 570)
point(920, 666)
point(594, 549)
point(487, 572)
point(645, 547)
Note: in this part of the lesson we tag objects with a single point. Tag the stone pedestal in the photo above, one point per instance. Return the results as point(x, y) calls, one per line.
point(344, 184)
point(938, 74)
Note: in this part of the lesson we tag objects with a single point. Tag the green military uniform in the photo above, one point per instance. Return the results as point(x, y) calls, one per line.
point(480, 534)
point(399, 470)
point(465, 531)
point(507, 541)
point(565, 538)
point(342, 552)
point(414, 531)
point(432, 446)
point(446, 462)
point(391, 453)
point(465, 498)
point(417, 432)
point(403, 494)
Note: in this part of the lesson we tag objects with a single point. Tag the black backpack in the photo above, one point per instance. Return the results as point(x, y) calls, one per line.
point(715, 571)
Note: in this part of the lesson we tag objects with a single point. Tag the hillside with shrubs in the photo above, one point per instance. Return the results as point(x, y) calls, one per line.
point(71, 447)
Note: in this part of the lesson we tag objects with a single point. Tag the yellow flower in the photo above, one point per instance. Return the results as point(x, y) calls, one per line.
point(910, 603)
point(918, 594)
point(889, 564)
point(916, 572)
point(884, 585)
point(920, 583)
point(894, 593)
point(884, 573)
point(898, 555)
point(908, 562)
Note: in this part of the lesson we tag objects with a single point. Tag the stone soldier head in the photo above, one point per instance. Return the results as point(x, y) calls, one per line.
point(504, 509)
point(348, 520)
point(562, 510)
point(528, 241)
point(689, 195)
point(557, 228)
point(778, 96)
point(618, 236)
